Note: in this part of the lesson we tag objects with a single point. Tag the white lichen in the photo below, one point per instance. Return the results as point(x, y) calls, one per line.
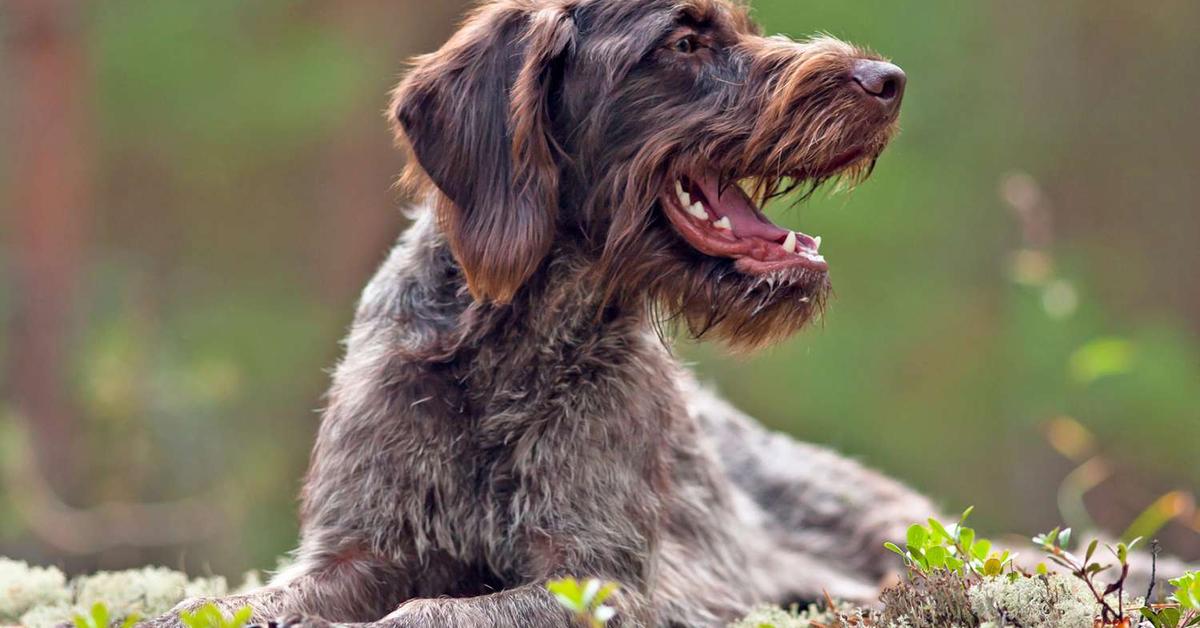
point(23, 588)
point(775, 617)
point(49, 616)
point(1054, 601)
point(147, 592)
point(43, 597)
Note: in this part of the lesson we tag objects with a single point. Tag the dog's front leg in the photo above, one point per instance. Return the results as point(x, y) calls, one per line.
point(529, 606)
point(355, 590)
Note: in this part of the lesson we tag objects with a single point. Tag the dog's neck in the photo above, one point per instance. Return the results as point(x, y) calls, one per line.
point(424, 288)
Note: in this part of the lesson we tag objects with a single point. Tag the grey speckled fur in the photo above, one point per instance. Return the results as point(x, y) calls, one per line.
point(507, 413)
point(558, 447)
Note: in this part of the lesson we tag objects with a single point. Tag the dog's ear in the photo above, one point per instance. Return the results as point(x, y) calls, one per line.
point(476, 118)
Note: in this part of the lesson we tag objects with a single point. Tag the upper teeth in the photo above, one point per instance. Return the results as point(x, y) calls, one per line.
point(685, 199)
point(789, 244)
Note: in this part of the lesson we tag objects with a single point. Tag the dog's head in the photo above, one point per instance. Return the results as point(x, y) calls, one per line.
point(643, 136)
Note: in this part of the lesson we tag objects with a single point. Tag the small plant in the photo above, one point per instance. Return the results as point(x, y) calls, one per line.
point(1184, 610)
point(1187, 591)
point(937, 553)
point(209, 616)
point(1087, 570)
point(955, 548)
point(100, 618)
point(584, 599)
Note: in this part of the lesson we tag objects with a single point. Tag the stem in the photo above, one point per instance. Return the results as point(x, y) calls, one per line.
point(1155, 548)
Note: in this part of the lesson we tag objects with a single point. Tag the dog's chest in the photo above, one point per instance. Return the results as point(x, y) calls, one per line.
point(574, 436)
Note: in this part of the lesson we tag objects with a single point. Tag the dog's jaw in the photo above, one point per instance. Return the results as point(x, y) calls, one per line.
point(727, 223)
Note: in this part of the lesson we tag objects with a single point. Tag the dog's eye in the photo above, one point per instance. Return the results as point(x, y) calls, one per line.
point(686, 45)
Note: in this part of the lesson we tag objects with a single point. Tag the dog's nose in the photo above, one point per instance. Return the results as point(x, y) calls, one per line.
point(881, 80)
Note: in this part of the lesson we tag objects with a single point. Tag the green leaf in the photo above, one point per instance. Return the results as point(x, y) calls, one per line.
point(993, 567)
point(1091, 550)
point(917, 535)
point(1042, 569)
point(1064, 538)
point(568, 603)
point(936, 557)
point(606, 592)
point(1047, 540)
point(966, 537)
point(590, 589)
point(918, 557)
point(981, 549)
point(99, 615)
point(1163, 618)
point(955, 564)
point(241, 617)
point(940, 530)
point(892, 547)
point(1097, 568)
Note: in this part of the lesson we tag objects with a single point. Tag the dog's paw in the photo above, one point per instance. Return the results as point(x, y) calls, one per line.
point(296, 621)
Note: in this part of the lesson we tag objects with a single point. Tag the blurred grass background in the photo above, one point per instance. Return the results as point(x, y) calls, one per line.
point(194, 192)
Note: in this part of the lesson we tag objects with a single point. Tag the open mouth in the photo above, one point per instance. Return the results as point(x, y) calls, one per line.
point(728, 223)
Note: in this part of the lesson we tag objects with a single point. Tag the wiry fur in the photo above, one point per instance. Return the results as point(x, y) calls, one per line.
point(506, 413)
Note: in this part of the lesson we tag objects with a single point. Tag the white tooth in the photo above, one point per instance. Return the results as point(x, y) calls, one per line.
point(697, 210)
point(789, 244)
point(817, 240)
point(684, 198)
point(724, 224)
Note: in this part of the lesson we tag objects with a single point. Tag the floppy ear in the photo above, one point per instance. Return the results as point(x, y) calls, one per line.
point(475, 115)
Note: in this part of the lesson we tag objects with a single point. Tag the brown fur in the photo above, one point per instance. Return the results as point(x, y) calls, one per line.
point(506, 412)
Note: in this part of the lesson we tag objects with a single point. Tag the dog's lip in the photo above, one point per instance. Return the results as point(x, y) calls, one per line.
point(843, 161)
point(734, 227)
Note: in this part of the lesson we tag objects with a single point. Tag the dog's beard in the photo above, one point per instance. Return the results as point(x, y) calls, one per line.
point(709, 297)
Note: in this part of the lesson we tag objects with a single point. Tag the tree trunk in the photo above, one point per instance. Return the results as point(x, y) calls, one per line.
point(49, 197)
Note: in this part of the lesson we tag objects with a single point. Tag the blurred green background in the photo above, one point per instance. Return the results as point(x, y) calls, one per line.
point(194, 192)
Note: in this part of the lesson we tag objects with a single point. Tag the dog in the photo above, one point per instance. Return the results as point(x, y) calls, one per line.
point(509, 410)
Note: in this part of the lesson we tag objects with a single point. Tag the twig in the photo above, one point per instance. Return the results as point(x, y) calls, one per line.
point(1155, 548)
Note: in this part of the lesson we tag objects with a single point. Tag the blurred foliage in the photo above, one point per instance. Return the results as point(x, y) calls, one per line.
point(99, 618)
point(242, 179)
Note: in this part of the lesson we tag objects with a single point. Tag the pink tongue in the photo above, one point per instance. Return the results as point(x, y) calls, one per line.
point(741, 211)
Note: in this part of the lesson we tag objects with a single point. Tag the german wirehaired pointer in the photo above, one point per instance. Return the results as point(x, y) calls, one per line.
point(508, 411)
